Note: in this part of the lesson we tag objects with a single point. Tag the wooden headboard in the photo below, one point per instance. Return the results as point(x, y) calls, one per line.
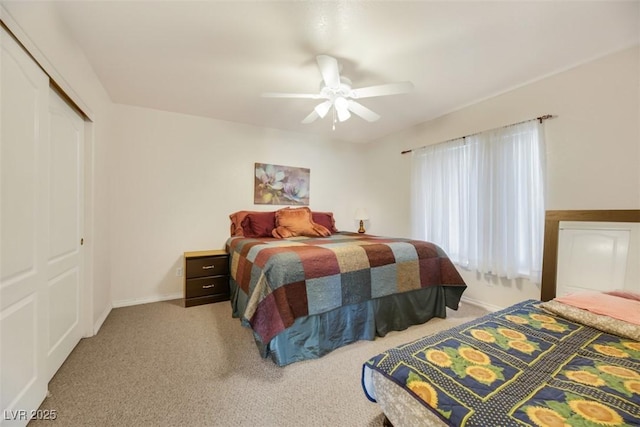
point(551, 230)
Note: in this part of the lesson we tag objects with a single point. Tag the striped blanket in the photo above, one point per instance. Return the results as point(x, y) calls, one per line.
point(285, 279)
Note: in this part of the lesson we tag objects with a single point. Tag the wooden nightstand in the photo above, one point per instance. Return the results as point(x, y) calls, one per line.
point(206, 277)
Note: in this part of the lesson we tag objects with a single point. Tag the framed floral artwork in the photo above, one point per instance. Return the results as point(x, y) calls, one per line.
point(281, 185)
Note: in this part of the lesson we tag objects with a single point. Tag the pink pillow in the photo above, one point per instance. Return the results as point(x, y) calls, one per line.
point(624, 294)
point(325, 219)
point(624, 309)
point(259, 224)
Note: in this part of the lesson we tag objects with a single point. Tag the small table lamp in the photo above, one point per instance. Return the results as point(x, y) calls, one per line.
point(361, 215)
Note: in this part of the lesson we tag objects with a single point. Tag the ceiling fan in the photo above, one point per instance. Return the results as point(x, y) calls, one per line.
point(337, 92)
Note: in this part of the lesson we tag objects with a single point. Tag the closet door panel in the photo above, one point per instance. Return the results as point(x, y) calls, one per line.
point(64, 260)
point(24, 90)
point(23, 102)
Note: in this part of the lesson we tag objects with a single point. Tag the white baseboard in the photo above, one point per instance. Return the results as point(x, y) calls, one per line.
point(490, 307)
point(146, 300)
point(98, 324)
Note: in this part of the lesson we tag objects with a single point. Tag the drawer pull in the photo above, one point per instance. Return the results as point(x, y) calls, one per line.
point(208, 267)
point(208, 286)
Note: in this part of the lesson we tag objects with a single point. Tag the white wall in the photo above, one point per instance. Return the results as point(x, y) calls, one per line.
point(176, 178)
point(593, 151)
point(39, 26)
point(159, 184)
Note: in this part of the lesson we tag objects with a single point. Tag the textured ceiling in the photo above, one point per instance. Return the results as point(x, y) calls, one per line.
point(215, 59)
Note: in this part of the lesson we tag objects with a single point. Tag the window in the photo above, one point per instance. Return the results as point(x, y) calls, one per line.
point(481, 198)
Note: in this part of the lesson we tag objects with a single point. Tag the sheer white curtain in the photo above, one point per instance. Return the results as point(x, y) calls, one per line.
point(481, 199)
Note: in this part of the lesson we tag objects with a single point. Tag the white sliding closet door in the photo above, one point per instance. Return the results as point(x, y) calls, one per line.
point(65, 218)
point(41, 219)
point(24, 95)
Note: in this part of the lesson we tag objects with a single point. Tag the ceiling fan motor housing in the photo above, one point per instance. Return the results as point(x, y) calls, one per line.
point(343, 90)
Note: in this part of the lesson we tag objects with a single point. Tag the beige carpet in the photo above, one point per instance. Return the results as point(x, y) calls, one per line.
point(164, 365)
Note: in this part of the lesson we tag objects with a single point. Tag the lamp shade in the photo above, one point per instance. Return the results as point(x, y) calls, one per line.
point(361, 214)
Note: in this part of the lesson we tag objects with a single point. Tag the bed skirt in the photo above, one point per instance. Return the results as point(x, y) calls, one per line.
point(314, 336)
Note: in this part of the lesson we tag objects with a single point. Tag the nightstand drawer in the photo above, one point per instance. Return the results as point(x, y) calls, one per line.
point(207, 286)
point(207, 266)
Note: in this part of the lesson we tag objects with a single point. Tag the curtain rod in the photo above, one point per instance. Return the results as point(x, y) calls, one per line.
point(540, 119)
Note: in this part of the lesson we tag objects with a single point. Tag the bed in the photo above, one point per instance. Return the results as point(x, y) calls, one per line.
point(305, 296)
point(567, 360)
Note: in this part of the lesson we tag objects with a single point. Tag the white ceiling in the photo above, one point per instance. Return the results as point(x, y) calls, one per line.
point(215, 58)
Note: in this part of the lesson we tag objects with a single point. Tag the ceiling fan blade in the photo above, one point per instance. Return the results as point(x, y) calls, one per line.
point(311, 117)
point(291, 95)
point(382, 90)
point(329, 69)
point(362, 111)
point(323, 108)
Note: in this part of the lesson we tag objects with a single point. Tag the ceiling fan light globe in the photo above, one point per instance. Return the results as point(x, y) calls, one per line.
point(323, 108)
point(343, 115)
point(342, 108)
point(341, 103)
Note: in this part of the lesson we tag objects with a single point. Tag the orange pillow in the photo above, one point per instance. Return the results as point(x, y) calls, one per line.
point(297, 222)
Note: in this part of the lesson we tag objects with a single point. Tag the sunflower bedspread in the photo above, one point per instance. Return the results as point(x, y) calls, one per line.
point(285, 279)
point(519, 366)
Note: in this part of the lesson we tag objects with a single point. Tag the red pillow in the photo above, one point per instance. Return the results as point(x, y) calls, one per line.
point(325, 219)
point(259, 224)
point(236, 222)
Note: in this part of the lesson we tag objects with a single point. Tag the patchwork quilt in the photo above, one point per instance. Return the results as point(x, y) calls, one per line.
point(285, 279)
point(519, 367)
